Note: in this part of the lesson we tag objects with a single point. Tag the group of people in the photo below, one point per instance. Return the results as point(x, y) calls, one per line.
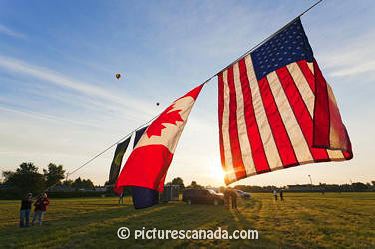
point(280, 193)
point(40, 208)
point(230, 195)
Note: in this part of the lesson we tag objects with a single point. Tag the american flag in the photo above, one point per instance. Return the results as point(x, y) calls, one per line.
point(277, 111)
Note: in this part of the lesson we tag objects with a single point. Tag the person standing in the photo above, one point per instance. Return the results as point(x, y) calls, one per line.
point(226, 198)
point(233, 196)
point(25, 210)
point(121, 199)
point(281, 195)
point(40, 208)
point(275, 194)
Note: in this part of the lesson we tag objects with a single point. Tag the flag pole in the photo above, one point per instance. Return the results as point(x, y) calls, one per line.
point(205, 82)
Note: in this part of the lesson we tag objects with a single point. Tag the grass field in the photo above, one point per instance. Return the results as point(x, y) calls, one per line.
point(332, 220)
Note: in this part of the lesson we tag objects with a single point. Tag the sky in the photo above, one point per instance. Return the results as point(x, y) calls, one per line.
point(60, 101)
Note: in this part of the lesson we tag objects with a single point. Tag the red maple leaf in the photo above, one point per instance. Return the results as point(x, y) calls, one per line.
point(168, 116)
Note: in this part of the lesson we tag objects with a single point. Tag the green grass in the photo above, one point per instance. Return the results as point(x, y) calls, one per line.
point(344, 220)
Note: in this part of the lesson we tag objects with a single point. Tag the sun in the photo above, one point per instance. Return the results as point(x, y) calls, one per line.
point(217, 173)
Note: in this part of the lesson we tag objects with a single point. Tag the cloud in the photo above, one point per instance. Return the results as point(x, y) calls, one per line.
point(350, 70)
point(25, 138)
point(42, 116)
point(353, 58)
point(83, 88)
point(7, 31)
point(54, 77)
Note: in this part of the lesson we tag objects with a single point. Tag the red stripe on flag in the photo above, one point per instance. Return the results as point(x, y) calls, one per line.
point(321, 110)
point(300, 112)
point(239, 168)
point(280, 135)
point(307, 73)
point(257, 149)
point(348, 154)
point(311, 80)
point(221, 110)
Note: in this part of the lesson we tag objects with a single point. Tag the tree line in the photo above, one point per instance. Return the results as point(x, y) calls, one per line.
point(26, 178)
point(321, 187)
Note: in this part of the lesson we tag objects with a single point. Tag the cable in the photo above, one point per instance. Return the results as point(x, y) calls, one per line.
point(263, 41)
point(109, 147)
point(205, 82)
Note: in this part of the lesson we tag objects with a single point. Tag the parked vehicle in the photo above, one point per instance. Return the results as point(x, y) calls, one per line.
point(243, 194)
point(170, 193)
point(202, 196)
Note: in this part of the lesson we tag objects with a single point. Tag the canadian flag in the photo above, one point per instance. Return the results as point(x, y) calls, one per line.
point(148, 164)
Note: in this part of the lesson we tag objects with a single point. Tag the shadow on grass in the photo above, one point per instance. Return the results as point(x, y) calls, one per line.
point(98, 229)
point(54, 232)
point(109, 205)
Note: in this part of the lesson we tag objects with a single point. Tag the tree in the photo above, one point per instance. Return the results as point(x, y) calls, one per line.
point(25, 179)
point(194, 184)
point(88, 184)
point(359, 186)
point(7, 175)
point(178, 181)
point(54, 174)
point(68, 183)
point(83, 184)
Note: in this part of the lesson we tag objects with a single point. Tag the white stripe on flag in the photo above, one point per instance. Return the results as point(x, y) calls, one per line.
point(292, 127)
point(303, 86)
point(311, 66)
point(247, 157)
point(229, 171)
point(336, 140)
point(335, 154)
point(268, 141)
